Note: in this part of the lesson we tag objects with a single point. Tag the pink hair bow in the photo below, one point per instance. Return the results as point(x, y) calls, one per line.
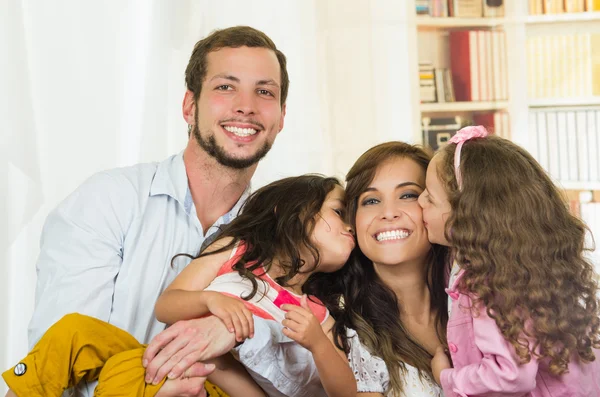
point(461, 136)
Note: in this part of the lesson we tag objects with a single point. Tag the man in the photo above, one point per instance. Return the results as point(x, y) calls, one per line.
point(106, 250)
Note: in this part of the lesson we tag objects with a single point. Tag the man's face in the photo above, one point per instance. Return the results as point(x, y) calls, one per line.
point(239, 112)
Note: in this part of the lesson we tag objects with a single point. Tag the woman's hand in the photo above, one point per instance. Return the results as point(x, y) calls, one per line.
point(233, 313)
point(302, 326)
point(439, 362)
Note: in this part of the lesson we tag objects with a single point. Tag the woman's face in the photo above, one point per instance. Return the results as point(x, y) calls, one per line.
point(436, 208)
point(389, 221)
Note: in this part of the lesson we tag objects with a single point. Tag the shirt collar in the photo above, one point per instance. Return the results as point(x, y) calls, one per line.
point(459, 273)
point(171, 179)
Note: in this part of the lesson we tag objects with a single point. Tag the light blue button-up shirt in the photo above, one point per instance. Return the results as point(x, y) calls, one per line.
point(106, 250)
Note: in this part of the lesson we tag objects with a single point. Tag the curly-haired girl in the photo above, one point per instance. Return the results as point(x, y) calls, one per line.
point(524, 312)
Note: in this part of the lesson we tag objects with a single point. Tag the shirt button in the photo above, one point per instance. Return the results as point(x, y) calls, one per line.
point(452, 347)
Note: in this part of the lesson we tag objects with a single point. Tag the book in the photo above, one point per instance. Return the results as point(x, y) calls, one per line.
point(467, 8)
point(464, 64)
point(493, 8)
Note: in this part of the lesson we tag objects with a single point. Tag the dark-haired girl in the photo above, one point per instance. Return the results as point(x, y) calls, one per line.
point(261, 265)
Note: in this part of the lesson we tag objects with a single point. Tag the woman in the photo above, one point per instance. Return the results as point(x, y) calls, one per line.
point(392, 289)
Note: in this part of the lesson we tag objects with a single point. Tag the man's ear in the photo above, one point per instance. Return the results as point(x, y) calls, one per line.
point(281, 122)
point(188, 108)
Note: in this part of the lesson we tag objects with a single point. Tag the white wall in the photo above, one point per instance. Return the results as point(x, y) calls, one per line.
point(86, 86)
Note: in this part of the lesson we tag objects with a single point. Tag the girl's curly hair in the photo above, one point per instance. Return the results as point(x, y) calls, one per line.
point(522, 252)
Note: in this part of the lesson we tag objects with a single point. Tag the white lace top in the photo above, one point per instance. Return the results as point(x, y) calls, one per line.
point(372, 376)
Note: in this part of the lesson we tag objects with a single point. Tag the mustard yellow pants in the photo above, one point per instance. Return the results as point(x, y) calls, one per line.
point(77, 348)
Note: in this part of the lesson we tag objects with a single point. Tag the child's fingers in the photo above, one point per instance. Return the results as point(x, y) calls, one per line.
point(290, 324)
point(296, 316)
point(248, 315)
point(239, 328)
point(245, 325)
point(290, 333)
point(296, 309)
point(227, 320)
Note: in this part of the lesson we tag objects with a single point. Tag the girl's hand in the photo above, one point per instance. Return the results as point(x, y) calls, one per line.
point(233, 313)
point(439, 362)
point(302, 326)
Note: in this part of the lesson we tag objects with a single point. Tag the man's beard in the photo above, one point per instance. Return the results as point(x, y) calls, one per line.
point(210, 146)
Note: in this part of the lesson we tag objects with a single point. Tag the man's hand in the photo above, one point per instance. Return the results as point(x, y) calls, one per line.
point(183, 344)
point(183, 387)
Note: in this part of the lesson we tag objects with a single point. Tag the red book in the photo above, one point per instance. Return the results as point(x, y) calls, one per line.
point(486, 120)
point(464, 65)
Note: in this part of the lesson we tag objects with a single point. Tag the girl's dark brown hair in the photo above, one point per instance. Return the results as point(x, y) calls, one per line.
point(277, 221)
point(522, 252)
point(369, 306)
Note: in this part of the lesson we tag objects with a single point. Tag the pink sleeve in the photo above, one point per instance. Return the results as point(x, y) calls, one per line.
point(497, 374)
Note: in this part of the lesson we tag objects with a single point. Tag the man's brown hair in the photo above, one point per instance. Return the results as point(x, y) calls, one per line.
point(234, 37)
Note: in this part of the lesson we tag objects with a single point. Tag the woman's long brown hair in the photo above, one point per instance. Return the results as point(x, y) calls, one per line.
point(369, 306)
point(522, 252)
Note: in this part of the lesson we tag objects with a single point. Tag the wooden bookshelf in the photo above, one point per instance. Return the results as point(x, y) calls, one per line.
point(564, 102)
point(574, 194)
point(463, 106)
point(563, 18)
point(452, 22)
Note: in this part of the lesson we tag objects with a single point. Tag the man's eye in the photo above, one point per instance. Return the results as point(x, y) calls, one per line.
point(265, 92)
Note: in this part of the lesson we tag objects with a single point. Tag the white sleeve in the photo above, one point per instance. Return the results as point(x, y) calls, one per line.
point(370, 371)
point(81, 253)
point(278, 364)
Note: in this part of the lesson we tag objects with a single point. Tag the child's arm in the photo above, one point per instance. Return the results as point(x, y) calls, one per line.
point(233, 379)
point(303, 327)
point(498, 373)
point(185, 299)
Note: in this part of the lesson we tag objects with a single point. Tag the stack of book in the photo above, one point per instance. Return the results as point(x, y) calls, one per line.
point(422, 7)
point(564, 66)
point(479, 66)
point(537, 7)
point(427, 82)
point(566, 143)
point(435, 84)
point(461, 8)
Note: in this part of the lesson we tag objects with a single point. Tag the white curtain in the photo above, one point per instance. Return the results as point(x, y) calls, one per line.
point(86, 86)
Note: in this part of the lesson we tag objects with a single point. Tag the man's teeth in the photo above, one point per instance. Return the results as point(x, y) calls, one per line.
point(392, 235)
point(241, 131)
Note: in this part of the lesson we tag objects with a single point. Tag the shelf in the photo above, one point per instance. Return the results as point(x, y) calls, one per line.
point(452, 22)
point(562, 18)
point(594, 186)
point(562, 102)
point(462, 106)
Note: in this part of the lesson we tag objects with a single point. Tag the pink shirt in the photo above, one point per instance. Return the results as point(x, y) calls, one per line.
point(485, 364)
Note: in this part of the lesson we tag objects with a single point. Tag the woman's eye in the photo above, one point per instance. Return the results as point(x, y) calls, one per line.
point(370, 201)
point(339, 211)
point(409, 196)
